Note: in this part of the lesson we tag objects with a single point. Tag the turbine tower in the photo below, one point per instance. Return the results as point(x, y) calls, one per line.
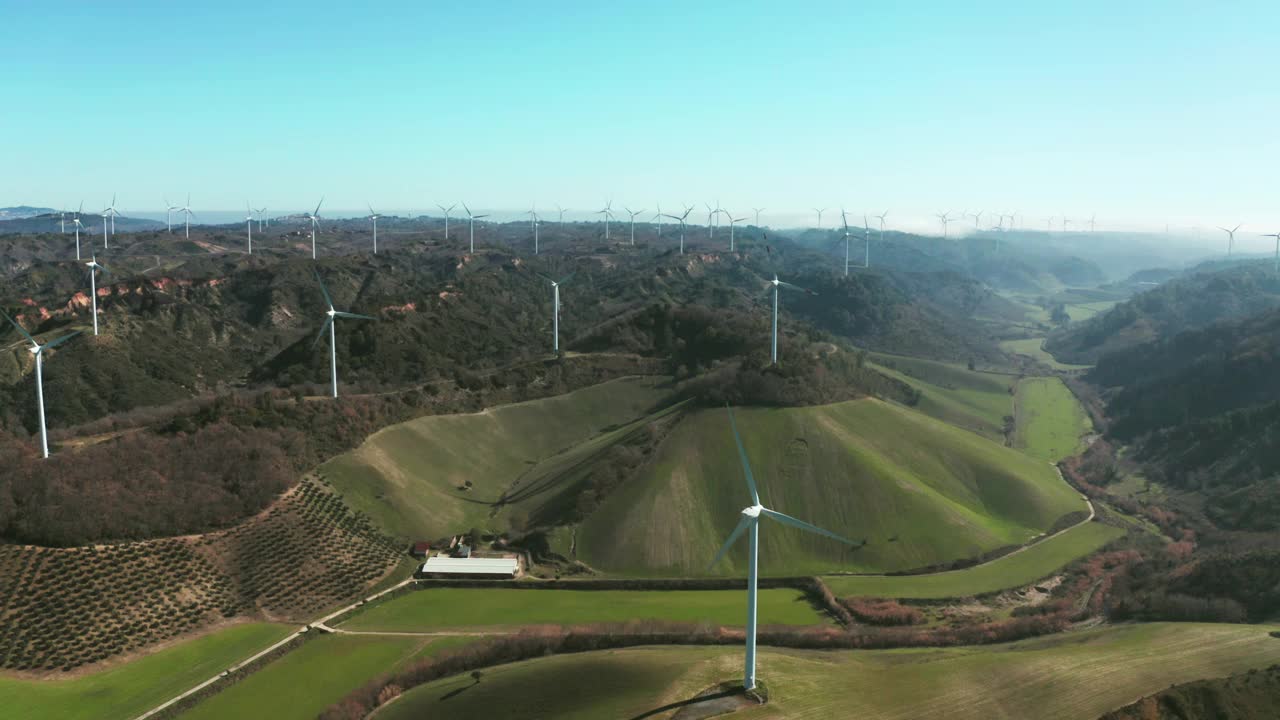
point(866, 239)
point(750, 523)
point(681, 219)
point(977, 218)
point(946, 220)
point(533, 219)
point(777, 287)
point(845, 222)
point(260, 212)
point(608, 214)
point(633, 215)
point(76, 222)
point(248, 223)
point(555, 309)
point(95, 266)
point(374, 217)
point(186, 211)
point(168, 215)
point(758, 211)
point(113, 212)
point(658, 216)
point(62, 220)
point(329, 325)
point(471, 222)
point(1277, 237)
point(1093, 221)
point(819, 211)
point(38, 350)
point(561, 211)
point(1231, 238)
point(733, 221)
point(314, 218)
point(712, 213)
point(446, 210)
point(881, 218)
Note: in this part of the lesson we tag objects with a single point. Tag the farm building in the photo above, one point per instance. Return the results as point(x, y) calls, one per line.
point(420, 549)
point(473, 567)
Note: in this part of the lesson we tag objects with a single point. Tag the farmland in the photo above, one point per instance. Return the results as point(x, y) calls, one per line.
point(1033, 348)
point(1051, 423)
point(446, 608)
point(1067, 677)
point(943, 495)
point(1023, 568)
point(124, 691)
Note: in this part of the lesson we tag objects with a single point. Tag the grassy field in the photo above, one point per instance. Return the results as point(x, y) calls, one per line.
point(300, 685)
point(440, 608)
point(1038, 561)
point(1050, 421)
point(918, 490)
point(1064, 677)
point(1031, 347)
point(129, 689)
point(407, 476)
point(977, 401)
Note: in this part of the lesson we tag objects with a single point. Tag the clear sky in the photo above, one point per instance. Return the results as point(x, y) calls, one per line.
point(1143, 112)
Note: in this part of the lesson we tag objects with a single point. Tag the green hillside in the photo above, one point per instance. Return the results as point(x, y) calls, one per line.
point(1080, 675)
point(1051, 423)
point(919, 491)
point(977, 401)
point(518, 458)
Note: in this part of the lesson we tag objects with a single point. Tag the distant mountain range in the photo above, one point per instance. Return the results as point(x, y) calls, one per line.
point(20, 212)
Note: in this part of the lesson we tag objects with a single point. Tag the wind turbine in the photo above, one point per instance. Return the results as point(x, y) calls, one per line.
point(758, 211)
point(946, 220)
point(62, 220)
point(711, 229)
point(1065, 222)
point(977, 219)
point(1231, 238)
point(374, 217)
point(186, 211)
point(866, 239)
point(328, 324)
point(750, 523)
point(1277, 237)
point(555, 309)
point(112, 210)
point(38, 350)
point(777, 288)
point(446, 210)
point(76, 222)
point(819, 211)
point(314, 217)
point(533, 218)
point(248, 223)
point(471, 222)
point(681, 219)
point(261, 215)
point(881, 218)
point(95, 266)
point(1048, 223)
point(1093, 221)
point(845, 222)
point(168, 215)
point(658, 216)
point(633, 215)
point(732, 222)
point(608, 213)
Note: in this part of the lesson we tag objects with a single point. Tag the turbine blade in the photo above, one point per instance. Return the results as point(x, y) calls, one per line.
point(62, 339)
point(353, 316)
point(742, 455)
point(13, 322)
point(565, 279)
point(328, 300)
point(317, 212)
point(788, 520)
point(743, 525)
point(327, 322)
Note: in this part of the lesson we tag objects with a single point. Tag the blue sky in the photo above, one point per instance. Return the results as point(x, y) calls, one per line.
point(1144, 112)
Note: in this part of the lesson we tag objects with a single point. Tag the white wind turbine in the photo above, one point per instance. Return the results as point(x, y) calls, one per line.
point(186, 211)
point(94, 266)
point(819, 211)
point(261, 216)
point(1065, 222)
point(712, 213)
point(168, 215)
point(608, 215)
point(1276, 235)
point(658, 216)
point(881, 218)
point(946, 220)
point(555, 309)
point(561, 211)
point(446, 210)
point(866, 240)
point(733, 221)
point(533, 219)
point(248, 223)
point(76, 222)
point(471, 222)
point(633, 215)
point(758, 211)
point(108, 212)
point(681, 219)
point(845, 222)
point(773, 340)
point(113, 212)
point(374, 217)
point(314, 218)
point(750, 523)
point(1048, 224)
point(38, 350)
point(1231, 238)
point(977, 219)
point(332, 315)
point(62, 220)
point(1093, 222)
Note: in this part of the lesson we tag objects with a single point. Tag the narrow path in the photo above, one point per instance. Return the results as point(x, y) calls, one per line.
point(393, 633)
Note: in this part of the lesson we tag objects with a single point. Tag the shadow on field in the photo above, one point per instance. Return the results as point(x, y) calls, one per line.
point(708, 698)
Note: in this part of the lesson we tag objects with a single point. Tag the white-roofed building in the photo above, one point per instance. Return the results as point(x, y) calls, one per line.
point(470, 567)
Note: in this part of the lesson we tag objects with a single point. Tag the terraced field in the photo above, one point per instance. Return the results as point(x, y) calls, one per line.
point(977, 401)
point(1065, 677)
point(437, 609)
point(918, 491)
point(1051, 424)
point(520, 460)
point(1037, 561)
point(127, 690)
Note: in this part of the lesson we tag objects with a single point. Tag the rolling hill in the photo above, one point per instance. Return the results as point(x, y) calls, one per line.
point(917, 491)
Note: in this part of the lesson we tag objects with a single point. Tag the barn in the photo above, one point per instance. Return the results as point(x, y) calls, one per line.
point(470, 567)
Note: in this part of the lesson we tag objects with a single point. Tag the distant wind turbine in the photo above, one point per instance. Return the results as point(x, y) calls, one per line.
point(261, 215)
point(844, 220)
point(758, 211)
point(946, 220)
point(1093, 221)
point(76, 222)
point(471, 223)
point(977, 219)
point(314, 218)
point(881, 218)
point(711, 214)
point(533, 219)
point(446, 210)
point(608, 215)
point(1048, 224)
point(114, 212)
point(329, 325)
point(866, 240)
point(248, 223)
point(555, 309)
point(1231, 238)
point(681, 219)
point(38, 350)
point(95, 266)
point(777, 288)
point(1277, 237)
point(633, 215)
point(1065, 222)
point(186, 211)
point(62, 219)
point(168, 215)
point(373, 216)
point(561, 211)
point(658, 216)
point(750, 523)
point(733, 221)
point(819, 211)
